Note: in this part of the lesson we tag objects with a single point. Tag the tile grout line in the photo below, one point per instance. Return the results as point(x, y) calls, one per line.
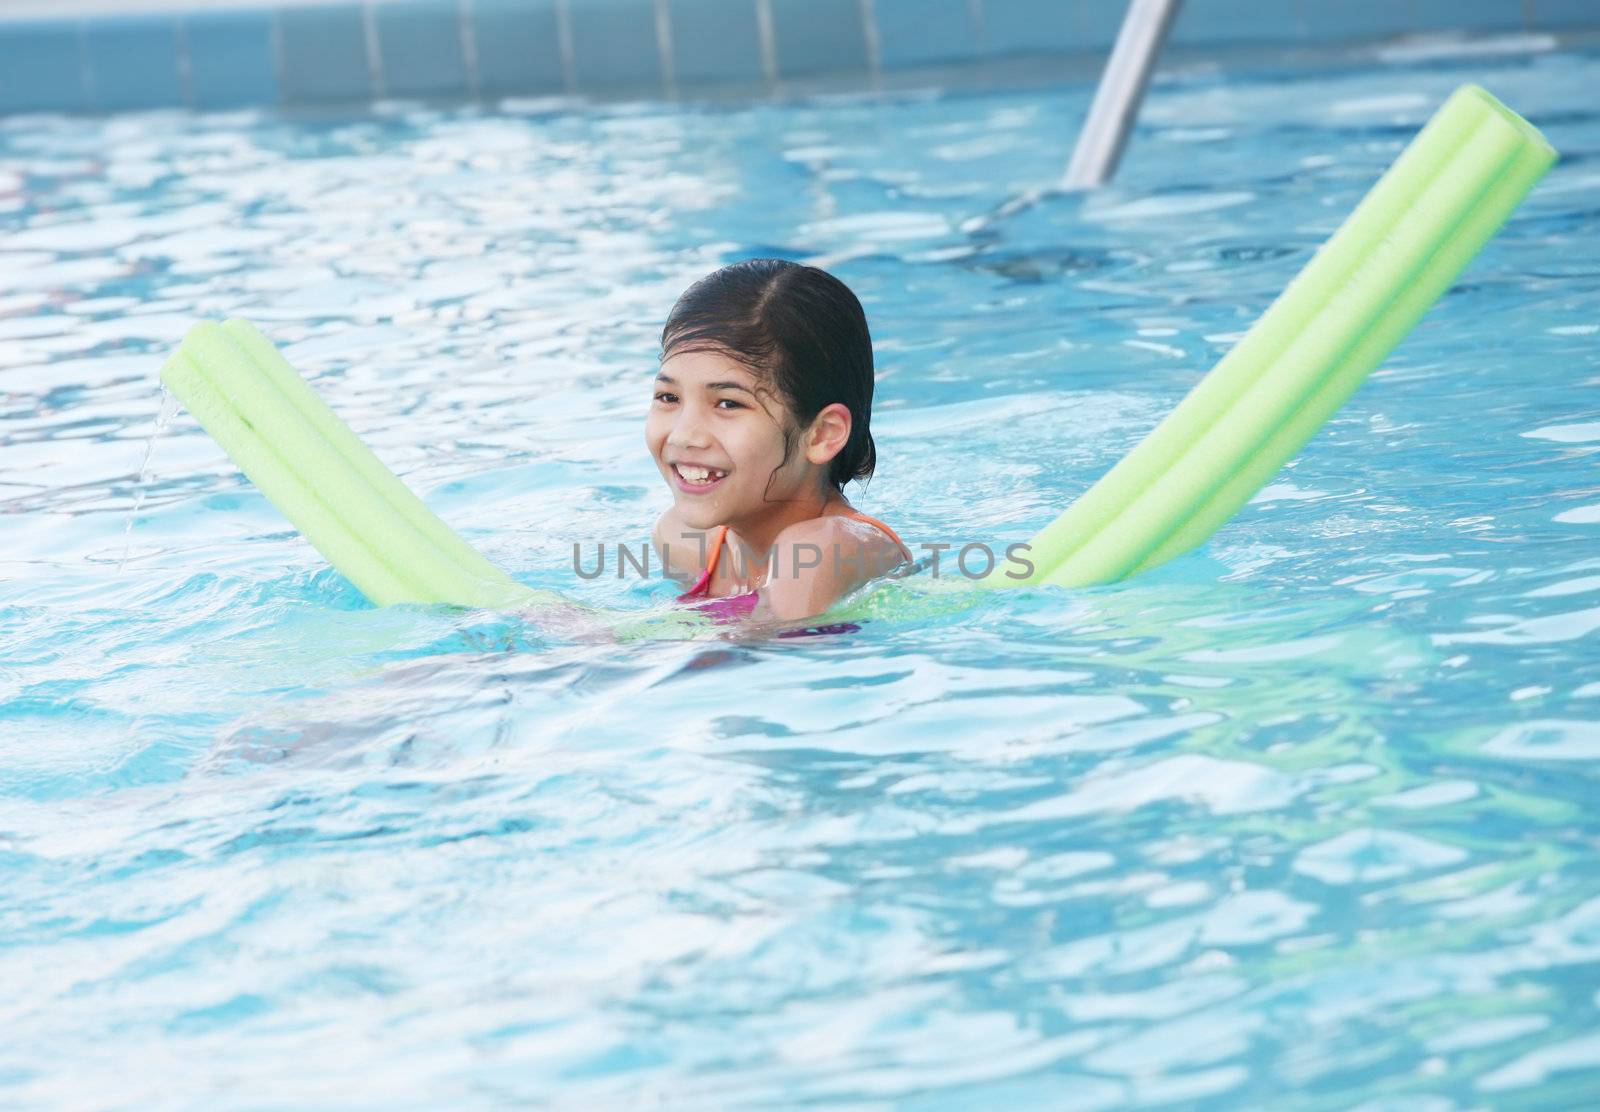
point(376, 86)
point(869, 33)
point(466, 28)
point(279, 66)
point(569, 61)
point(767, 34)
point(180, 35)
point(664, 48)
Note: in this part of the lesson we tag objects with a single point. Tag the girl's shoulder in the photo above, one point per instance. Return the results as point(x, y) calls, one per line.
point(850, 524)
point(861, 544)
point(825, 558)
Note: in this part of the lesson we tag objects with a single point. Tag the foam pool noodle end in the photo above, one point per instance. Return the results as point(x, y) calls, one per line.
point(308, 463)
point(1391, 260)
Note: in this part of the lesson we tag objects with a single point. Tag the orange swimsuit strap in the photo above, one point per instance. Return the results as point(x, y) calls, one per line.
point(716, 551)
point(859, 516)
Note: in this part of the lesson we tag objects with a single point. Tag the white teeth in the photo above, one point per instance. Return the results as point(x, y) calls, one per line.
point(699, 474)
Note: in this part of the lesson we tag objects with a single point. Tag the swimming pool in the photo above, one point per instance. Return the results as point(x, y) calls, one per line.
point(1304, 820)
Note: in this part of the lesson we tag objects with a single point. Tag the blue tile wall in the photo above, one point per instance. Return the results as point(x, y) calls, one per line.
point(925, 32)
point(819, 36)
point(1046, 26)
point(231, 58)
point(518, 47)
point(1209, 21)
point(715, 41)
point(1355, 19)
point(1480, 15)
point(614, 44)
point(41, 67)
point(420, 48)
point(1559, 14)
point(133, 61)
point(299, 53)
point(324, 53)
point(1100, 20)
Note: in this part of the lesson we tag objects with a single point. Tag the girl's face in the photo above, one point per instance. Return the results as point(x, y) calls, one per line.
point(718, 441)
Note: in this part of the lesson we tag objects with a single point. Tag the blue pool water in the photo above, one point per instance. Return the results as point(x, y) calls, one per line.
point(1305, 820)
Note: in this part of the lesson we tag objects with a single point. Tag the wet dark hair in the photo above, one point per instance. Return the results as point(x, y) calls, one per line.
point(799, 329)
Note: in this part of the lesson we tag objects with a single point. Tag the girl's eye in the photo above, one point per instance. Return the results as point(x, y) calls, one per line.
point(666, 397)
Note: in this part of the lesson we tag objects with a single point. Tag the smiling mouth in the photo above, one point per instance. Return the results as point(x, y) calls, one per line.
point(697, 480)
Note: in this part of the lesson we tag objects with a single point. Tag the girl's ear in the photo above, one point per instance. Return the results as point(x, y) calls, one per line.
point(829, 432)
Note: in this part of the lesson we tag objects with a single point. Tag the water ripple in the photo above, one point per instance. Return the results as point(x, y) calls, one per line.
point(1303, 820)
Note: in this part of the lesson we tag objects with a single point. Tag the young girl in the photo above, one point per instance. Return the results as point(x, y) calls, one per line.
point(760, 416)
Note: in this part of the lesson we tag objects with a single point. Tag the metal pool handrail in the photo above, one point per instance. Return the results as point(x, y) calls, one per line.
point(1121, 88)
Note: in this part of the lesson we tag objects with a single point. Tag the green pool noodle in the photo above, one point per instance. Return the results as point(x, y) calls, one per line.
point(1448, 193)
point(338, 435)
point(261, 461)
point(308, 463)
point(1396, 254)
point(1303, 424)
point(387, 553)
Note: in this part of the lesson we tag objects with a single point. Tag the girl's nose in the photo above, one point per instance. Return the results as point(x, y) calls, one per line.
point(689, 430)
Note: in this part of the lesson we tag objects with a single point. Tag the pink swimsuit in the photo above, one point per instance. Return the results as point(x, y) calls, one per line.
point(734, 608)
